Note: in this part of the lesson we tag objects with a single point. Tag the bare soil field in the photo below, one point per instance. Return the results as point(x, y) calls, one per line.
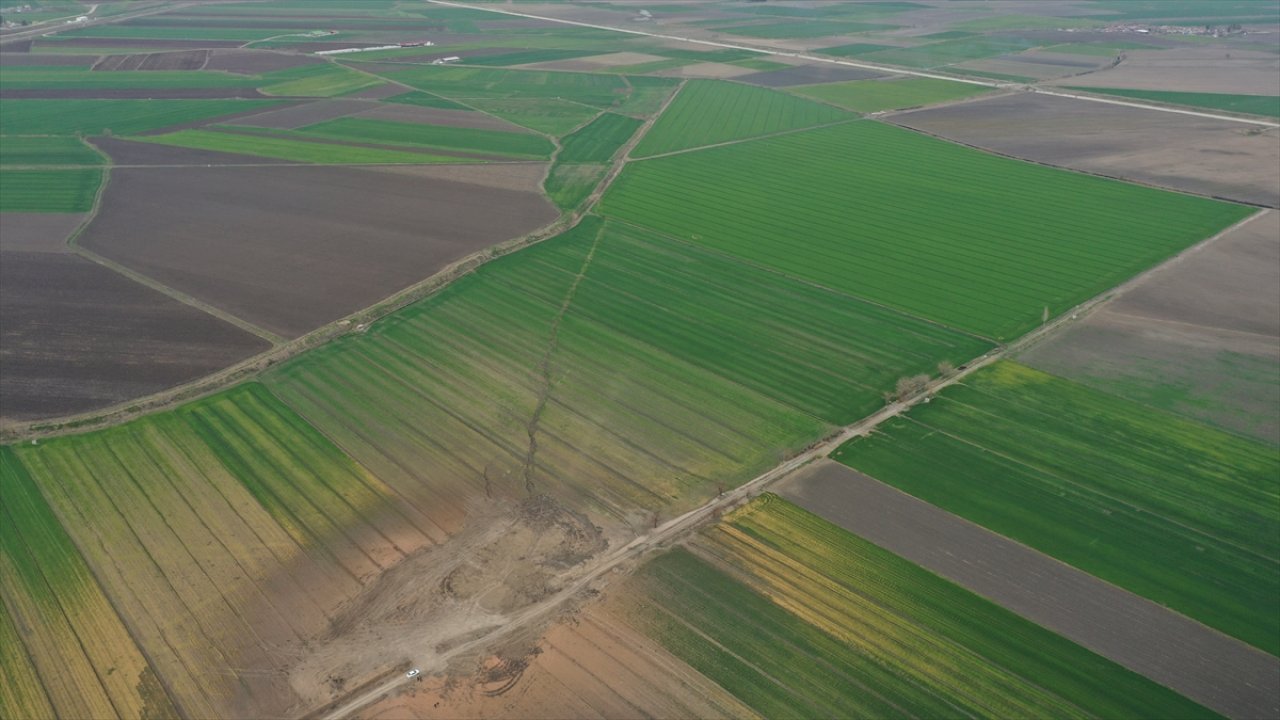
point(521, 177)
point(292, 248)
point(1201, 338)
point(1213, 69)
point(130, 93)
point(254, 62)
point(181, 60)
point(587, 665)
point(37, 232)
point(1198, 155)
point(595, 62)
point(707, 70)
point(17, 59)
point(1219, 672)
point(128, 152)
point(438, 116)
point(129, 43)
point(808, 75)
point(77, 336)
point(297, 116)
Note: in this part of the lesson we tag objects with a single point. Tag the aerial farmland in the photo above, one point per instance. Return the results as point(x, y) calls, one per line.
point(417, 359)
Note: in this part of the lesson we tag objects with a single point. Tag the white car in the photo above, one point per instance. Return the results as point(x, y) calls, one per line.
point(413, 673)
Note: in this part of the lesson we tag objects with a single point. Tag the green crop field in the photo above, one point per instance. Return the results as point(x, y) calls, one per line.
point(526, 57)
point(48, 190)
point(598, 141)
point(979, 242)
point(647, 95)
point(1268, 105)
point(1171, 509)
point(804, 29)
point(121, 117)
point(877, 95)
point(424, 99)
point(192, 32)
point(46, 150)
point(443, 137)
point(854, 49)
point(708, 111)
point(549, 115)
point(19, 78)
point(59, 633)
point(569, 185)
point(949, 52)
point(445, 389)
point(286, 148)
point(327, 80)
point(478, 82)
point(799, 618)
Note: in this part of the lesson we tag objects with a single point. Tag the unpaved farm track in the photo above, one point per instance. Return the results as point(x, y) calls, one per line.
point(1215, 670)
point(674, 530)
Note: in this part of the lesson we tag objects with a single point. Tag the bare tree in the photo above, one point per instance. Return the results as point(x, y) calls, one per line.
point(945, 368)
point(910, 385)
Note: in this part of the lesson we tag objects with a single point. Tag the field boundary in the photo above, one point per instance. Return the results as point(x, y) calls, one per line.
point(356, 322)
point(674, 530)
point(866, 66)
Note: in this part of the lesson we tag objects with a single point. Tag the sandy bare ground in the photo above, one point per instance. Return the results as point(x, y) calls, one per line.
point(588, 665)
point(707, 70)
point(1198, 155)
point(1201, 338)
point(37, 232)
point(1214, 69)
point(1219, 672)
point(290, 248)
point(75, 336)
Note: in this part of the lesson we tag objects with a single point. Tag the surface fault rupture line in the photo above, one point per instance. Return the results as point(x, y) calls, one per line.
point(544, 366)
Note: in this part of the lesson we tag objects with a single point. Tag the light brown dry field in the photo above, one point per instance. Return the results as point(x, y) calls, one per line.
point(1219, 68)
point(1201, 338)
point(589, 664)
point(808, 75)
point(1199, 155)
point(78, 337)
point(291, 248)
point(597, 62)
point(718, 71)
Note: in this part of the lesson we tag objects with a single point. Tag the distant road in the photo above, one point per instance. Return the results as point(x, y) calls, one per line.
point(1217, 671)
point(45, 29)
point(869, 66)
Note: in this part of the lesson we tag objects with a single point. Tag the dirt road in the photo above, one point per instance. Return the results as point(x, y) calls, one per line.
point(891, 69)
point(673, 530)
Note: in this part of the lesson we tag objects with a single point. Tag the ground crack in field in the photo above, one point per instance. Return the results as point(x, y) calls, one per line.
point(545, 371)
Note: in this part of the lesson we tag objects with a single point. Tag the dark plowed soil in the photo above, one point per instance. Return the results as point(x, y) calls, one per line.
point(127, 152)
point(158, 43)
point(254, 62)
point(130, 93)
point(292, 248)
point(305, 114)
point(75, 336)
point(37, 232)
point(1219, 672)
point(17, 59)
point(807, 75)
point(21, 46)
point(181, 60)
point(1199, 155)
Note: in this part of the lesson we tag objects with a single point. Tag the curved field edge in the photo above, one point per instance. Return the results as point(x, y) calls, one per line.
point(794, 615)
point(1166, 507)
